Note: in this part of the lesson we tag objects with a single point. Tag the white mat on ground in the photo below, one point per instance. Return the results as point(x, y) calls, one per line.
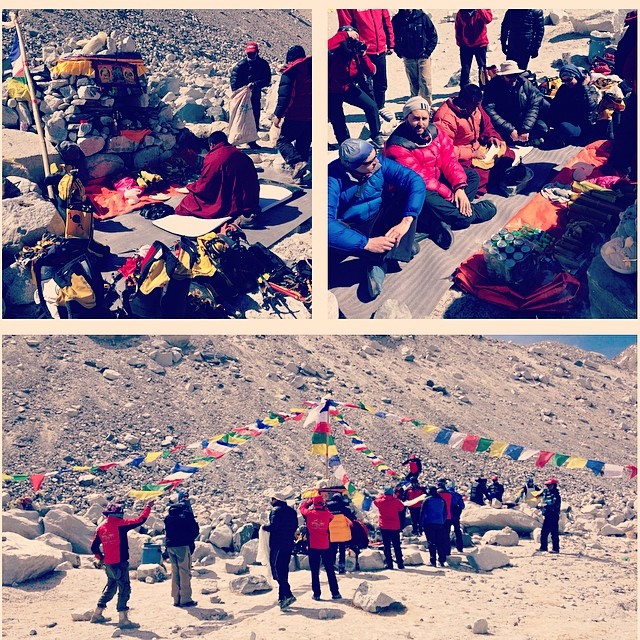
point(271, 195)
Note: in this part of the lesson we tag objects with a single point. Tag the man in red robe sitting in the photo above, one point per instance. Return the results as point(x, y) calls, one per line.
point(228, 185)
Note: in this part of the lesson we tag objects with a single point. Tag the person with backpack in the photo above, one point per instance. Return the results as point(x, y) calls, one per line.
point(254, 71)
point(283, 523)
point(479, 492)
point(529, 494)
point(181, 529)
point(293, 111)
point(415, 41)
point(227, 186)
point(390, 509)
point(111, 549)
point(318, 517)
point(349, 70)
point(495, 489)
point(457, 506)
point(446, 495)
point(521, 35)
point(550, 506)
point(433, 517)
point(340, 528)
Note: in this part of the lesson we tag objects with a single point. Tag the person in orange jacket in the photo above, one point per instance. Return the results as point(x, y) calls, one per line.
point(318, 518)
point(390, 508)
point(340, 528)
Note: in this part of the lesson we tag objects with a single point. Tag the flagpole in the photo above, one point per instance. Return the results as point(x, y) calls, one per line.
point(34, 103)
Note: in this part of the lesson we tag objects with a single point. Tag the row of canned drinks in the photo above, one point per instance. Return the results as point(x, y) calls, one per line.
point(511, 256)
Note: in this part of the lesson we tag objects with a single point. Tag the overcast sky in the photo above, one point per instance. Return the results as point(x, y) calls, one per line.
point(608, 345)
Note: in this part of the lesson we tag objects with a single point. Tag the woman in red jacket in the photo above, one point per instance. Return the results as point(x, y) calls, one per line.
point(349, 68)
point(471, 37)
point(318, 517)
point(389, 522)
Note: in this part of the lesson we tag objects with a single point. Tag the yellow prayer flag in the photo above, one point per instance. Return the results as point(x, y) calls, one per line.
point(80, 468)
point(199, 463)
point(497, 449)
point(357, 498)
point(6, 476)
point(272, 422)
point(144, 495)
point(152, 455)
point(576, 463)
point(430, 428)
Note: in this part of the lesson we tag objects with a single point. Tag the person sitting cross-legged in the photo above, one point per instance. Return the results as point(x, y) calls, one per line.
point(425, 147)
point(365, 218)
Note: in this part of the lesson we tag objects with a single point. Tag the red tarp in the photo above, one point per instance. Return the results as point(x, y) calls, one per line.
point(472, 276)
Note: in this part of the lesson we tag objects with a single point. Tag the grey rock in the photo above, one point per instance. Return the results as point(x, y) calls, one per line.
point(249, 584)
point(10, 117)
point(26, 524)
point(102, 165)
point(391, 309)
point(24, 220)
point(91, 145)
point(24, 559)
point(369, 599)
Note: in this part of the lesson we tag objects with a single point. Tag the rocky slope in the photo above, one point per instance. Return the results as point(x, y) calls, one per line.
point(219, 36)
point(61, 409)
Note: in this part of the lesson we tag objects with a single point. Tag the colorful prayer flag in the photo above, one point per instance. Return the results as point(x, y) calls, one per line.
point(17, 60)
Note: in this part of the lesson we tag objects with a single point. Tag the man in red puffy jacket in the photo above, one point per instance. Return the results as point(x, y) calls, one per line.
point(390, 508)
point(471, 37)
point(376, 31)
point(111, 535)
point(317, 518)
point(428, 150)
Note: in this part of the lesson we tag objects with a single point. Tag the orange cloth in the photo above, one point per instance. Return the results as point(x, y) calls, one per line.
point(109, 203)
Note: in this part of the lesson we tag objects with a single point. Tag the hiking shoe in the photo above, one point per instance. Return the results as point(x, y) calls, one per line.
point(387, 114)
point(253, 145)
point(245, 222)
point(420, 236)
point(377, 142)
point(190, 603)
point(443, 237)
point(336, 596)
point(375, 278)
point(554, 551)
point(316, 598)
point(287, 602)
point(299, 169)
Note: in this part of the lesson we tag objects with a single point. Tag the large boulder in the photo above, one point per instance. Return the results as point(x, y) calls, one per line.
point(506, 537)
point(606, 20)
point(91, 145)
point(55, 541)
point(477, 519)
point(249, 551)
point(242, 536)
point(75, 529)
point(371, 560)
point(104, 164)
point(204, 554)
point(10, 117)
point(24, 559)
point(145, 158)
point(24, 523)
point(369, 599)
point(249, 584)
point(221, 537)
point(23, 149)
point(24, 220)
point(487, 559)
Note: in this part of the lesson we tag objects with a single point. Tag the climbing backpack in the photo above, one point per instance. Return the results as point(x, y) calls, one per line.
point(359, 535)
point(156, 284)
point(301, 541)
point(66, 261)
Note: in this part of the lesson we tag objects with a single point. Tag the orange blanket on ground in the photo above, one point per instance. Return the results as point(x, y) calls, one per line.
point(109, 203)
point(472, 277)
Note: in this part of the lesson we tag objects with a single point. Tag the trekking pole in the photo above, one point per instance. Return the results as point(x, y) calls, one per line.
point(34, 103)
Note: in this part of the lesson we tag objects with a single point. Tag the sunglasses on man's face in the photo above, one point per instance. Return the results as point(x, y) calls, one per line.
point(369, 163)
point(566, 80)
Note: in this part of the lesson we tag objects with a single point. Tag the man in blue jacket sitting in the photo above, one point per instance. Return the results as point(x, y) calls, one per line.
point(366, 217)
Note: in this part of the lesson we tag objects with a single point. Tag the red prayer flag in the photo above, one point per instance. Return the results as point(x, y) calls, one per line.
point(543, 458)
point(470, 443)
point(632, 470)
point(36, 480)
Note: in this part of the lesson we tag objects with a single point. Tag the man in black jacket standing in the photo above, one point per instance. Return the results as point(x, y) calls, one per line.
point(283, 522)
point(255, 72)
point(550, 506)
point(521, 34)
point(415, 40)
point(181, 530)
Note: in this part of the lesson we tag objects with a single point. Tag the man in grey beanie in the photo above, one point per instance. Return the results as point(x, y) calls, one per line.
point(426, 149)
point(365, 218)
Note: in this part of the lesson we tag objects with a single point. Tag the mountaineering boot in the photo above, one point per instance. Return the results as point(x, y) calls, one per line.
point(125, 623)
point(377, 142)
point(386, 114)
point(442, 236)
point(299, 169)
point(375, 278)
point(97, 616)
